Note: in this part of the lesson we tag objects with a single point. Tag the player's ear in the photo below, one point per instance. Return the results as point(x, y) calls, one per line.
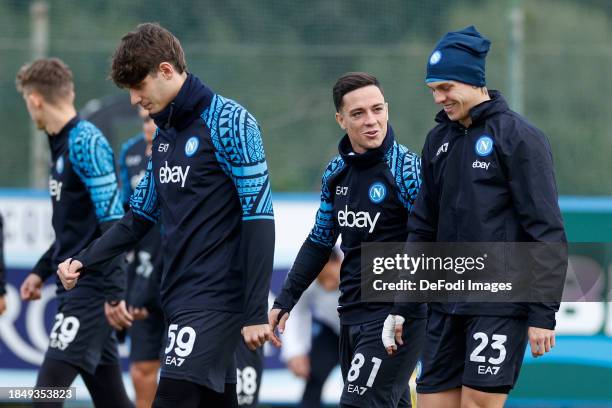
point(340, 120)
point(35, 99)
point(166, 70)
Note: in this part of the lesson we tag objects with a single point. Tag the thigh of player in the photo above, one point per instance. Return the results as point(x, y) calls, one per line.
point(80, 333)
point(147, 338)
point(494, 352)
point(442, 359)
point(374, 379)
point(200, 347)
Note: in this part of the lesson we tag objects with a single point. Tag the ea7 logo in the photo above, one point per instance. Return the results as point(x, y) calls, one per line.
point(493, 370)
point(342, 191)
point(480, 165)
point(442, 149)
point(356, 389)
point(175, 361)
point(163, 147)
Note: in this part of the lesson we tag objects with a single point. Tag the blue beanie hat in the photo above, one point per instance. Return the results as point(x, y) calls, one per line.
point(459, 56)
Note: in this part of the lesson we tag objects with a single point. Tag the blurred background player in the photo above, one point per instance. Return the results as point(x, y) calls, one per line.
point(367, 194)
point(249, 370)
point(85, 201)
point(311, 336)
point(2, 270)
point(147, 333)
point(207, 183)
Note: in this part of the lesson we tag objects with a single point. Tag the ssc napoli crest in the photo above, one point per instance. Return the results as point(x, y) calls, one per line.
point(377, 192)
point(484, 146)
point(59, 165)
point(192, 146)
point(435, 57)
point(418, 369)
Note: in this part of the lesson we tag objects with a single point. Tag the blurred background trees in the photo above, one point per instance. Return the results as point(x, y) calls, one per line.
point(281, 58)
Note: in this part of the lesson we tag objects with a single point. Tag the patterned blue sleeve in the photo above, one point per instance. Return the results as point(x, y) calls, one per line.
point(124, 175)
point(405, 167)
point(143, 201)
point(325, 231)
point(315, 251)
point(92, 159)
point(239, 150)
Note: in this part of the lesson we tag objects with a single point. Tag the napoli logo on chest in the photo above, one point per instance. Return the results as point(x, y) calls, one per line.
point(192, 146)
point(59, 165)
point(377, 192)
point(484, 145)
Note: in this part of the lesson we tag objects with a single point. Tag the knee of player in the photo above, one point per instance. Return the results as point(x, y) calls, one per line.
point(143, 371)
point(480, 399)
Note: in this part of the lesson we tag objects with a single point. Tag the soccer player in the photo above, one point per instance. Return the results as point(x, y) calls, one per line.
point(85, 201)
point(2, 271)
point(147, 334)
point(487, 177)
point(375, 180)
point(207, 183)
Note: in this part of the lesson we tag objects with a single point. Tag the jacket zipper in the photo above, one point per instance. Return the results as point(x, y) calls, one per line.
point(465, 134)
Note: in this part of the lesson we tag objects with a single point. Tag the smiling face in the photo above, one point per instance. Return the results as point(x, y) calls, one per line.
point(457, 99)
point(364, 115)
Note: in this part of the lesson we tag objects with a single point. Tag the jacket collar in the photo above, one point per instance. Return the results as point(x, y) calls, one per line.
point(369, 157)
point(57, 140)
point(190, 102)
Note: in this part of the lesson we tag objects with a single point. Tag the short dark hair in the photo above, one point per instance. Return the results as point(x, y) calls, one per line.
point(50, 77)
point(351, 81)
point(140, 53)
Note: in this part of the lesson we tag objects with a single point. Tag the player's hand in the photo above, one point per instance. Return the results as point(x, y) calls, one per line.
point(256, 335)
point(273, 321)
point(118, 316)
point(68, 272)
point(138, 313)
point(300, 366)
point(31, 287)
point(2, 304)
point(540, 340)
point(392, 333)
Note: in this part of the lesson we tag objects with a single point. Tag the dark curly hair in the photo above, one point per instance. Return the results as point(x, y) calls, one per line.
point(140, 53)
